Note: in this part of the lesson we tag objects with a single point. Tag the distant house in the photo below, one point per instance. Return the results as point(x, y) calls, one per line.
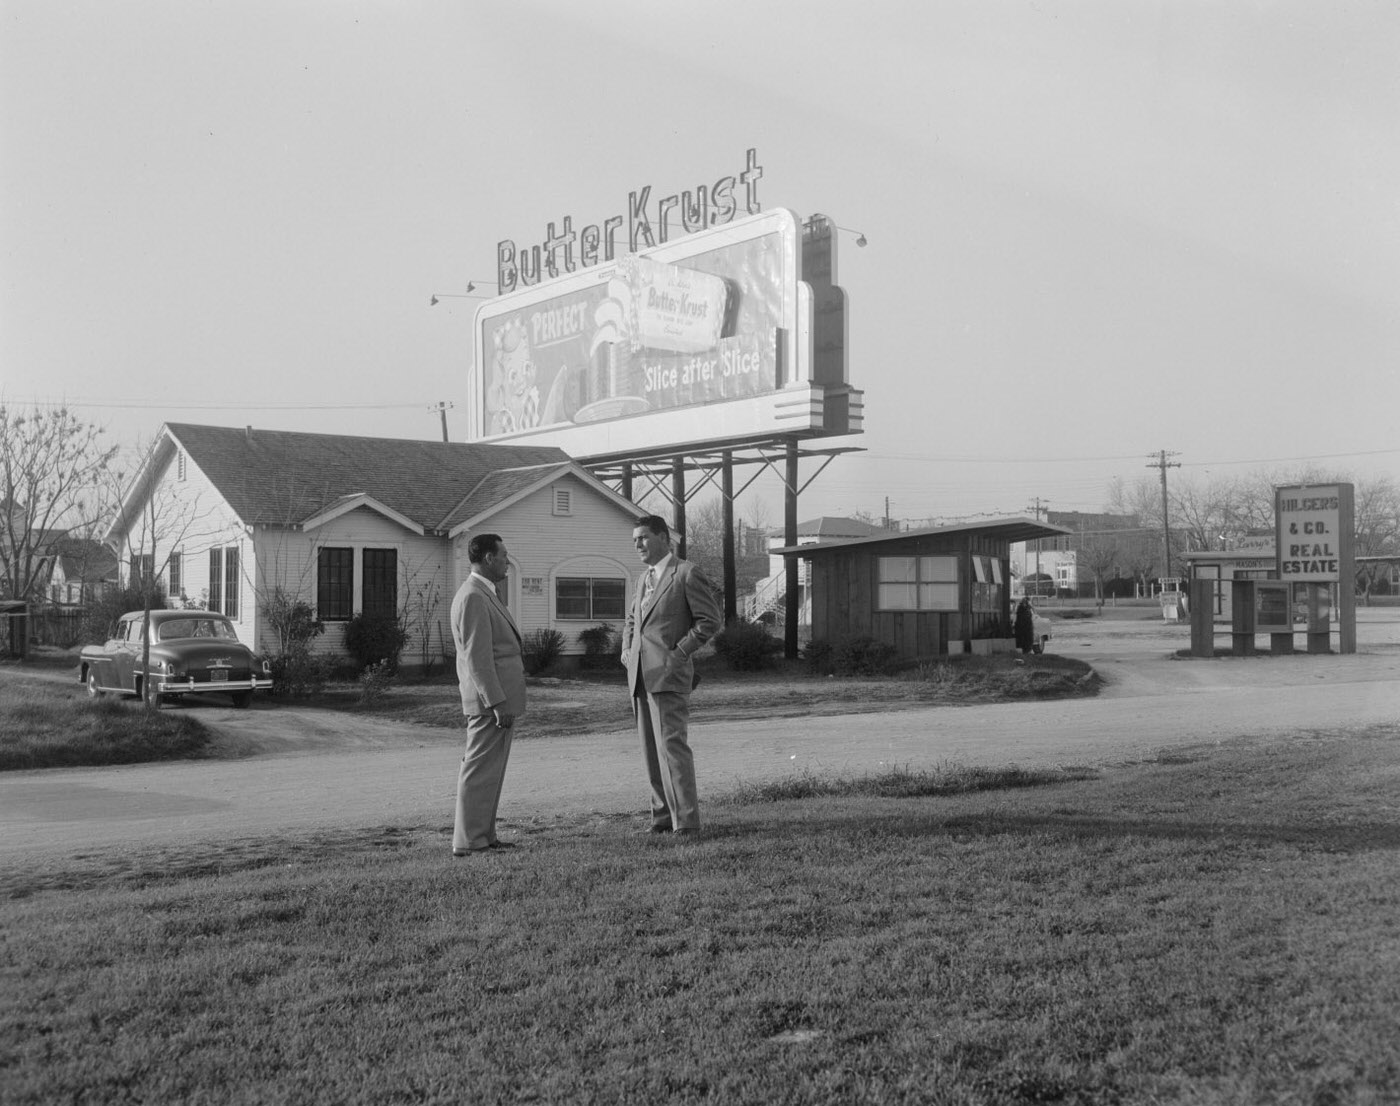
point(82, 570)
point(229, 517)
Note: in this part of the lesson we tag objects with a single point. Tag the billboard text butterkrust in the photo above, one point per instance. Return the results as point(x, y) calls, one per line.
point(705, 339)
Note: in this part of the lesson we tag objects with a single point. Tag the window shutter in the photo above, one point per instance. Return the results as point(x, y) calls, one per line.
point(563, 501)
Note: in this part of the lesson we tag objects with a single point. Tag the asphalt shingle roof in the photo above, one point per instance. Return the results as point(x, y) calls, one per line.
point(281, 477)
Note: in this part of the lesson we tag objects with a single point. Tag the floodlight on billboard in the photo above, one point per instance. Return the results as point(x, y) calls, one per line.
point(704, 340)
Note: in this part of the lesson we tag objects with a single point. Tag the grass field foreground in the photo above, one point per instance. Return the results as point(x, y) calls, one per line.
point(1220, 927)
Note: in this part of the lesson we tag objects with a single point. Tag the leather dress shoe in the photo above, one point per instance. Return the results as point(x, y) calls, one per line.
point(659, 829)
point(490, 847)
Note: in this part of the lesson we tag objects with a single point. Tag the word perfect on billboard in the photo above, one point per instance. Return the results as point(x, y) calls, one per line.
point(1314, 526)
point(700, 341)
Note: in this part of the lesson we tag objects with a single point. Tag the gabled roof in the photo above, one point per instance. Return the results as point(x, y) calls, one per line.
point(500, 489)
point(284, 478)
point(80, 558)
point(1004, 529)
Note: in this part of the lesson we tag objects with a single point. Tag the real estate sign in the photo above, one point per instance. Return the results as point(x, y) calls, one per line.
point(1315, 528)
point(1314, 531)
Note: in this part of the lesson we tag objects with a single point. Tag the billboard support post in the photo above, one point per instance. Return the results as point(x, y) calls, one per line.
point(678, 503)
point(731, 576)
point(792, 602)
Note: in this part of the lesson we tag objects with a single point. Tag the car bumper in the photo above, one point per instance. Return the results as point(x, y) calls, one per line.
point(176, 686)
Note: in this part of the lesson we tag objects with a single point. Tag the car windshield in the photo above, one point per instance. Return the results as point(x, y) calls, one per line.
point(196, 627)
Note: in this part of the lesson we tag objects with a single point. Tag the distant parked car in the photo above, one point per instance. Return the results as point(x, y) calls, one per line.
point(192, 653)
point(1042, 630)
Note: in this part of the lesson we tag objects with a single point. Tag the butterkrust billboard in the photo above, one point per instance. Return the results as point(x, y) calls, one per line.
point(700, 341)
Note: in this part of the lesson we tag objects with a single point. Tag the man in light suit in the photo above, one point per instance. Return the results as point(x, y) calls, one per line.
point(673, 613)
point(491, 672)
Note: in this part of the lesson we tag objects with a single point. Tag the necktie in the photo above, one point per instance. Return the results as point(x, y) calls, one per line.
point(648, 582)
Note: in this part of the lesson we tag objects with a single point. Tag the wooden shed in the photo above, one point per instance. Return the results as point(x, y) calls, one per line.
point(925, 592)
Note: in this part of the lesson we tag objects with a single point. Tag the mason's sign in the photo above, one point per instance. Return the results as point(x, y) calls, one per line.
point(565, 250)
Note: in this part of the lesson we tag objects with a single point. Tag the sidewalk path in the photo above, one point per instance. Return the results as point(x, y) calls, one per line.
point(1153, 704)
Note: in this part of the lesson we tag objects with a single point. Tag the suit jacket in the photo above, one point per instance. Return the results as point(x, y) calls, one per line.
point(490, 668)
point(660, 636)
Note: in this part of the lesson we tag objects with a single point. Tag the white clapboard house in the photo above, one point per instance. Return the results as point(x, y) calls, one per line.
point(230, 517)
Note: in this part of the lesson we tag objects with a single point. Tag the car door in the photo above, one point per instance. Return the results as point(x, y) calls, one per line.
point(102, 660)
point(126, 657)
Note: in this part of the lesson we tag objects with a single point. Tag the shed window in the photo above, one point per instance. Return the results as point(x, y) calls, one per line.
point(917, 583)
point(589, 598)
point(986, 591)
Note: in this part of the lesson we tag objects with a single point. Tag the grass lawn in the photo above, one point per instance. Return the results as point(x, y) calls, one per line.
point(1220, 927)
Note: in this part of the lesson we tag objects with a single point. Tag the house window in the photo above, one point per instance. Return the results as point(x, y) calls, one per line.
point(231, 582)
point(335, 584)
point(216, 580)
point(142, 567)
point(174, 575)
point(917, 584)
point(381, 582)
point(563, 501)
point(589, 598)
point(224, 589)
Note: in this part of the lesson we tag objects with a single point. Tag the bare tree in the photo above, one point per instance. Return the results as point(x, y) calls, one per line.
point(153, 516)
point(51, 464)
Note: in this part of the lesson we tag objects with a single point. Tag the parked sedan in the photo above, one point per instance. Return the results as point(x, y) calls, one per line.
point(191, 653)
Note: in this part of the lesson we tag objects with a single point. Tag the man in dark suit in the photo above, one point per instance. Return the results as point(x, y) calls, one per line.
point(672, 614)
point(491, 673)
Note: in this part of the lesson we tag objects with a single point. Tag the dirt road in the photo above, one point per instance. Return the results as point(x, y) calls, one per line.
point(334, 772)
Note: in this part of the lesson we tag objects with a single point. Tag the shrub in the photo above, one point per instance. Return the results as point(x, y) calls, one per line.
point(601, 646)
point(541, 648)
point(817, 654)
point(292, 619)
point(371, 638)
point(376, 681)
point(852, 656)
point(864, 656)
point(300, 673)
point(102, 615)
point(746, 646)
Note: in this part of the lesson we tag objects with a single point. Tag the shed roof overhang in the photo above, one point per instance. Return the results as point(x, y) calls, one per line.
point(1007, 529)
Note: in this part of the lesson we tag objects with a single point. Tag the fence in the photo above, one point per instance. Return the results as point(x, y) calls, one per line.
point(61, 627)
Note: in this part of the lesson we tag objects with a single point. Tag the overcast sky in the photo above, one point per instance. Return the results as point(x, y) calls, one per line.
point(1096, 229)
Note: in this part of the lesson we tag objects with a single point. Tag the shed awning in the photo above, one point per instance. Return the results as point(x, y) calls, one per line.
point(1002, 529)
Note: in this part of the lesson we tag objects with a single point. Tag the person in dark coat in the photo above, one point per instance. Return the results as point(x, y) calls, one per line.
point(1023, 628)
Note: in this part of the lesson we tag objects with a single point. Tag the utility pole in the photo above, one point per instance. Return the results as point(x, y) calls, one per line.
point(887, 512)
point(441, 407)
point(1162, 464)
point(1038, 509)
